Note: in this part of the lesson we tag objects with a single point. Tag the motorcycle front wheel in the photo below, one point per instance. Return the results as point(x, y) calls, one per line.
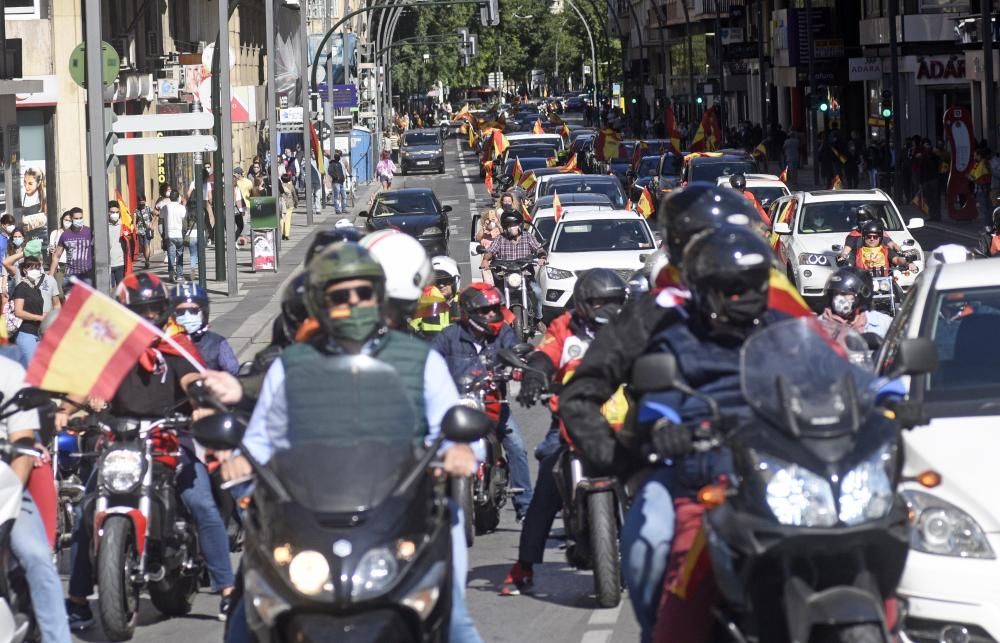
point(118, 597)
point(604, 548)
point(517, 310)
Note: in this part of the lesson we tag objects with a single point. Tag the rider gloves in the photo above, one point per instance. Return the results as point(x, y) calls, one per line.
point(671, 440)
point(532, 385)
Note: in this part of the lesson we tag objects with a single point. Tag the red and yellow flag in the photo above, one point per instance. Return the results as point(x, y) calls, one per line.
point(518, 171)
point(317, 150)
point(500, 143)
point(760, 151)
point(90, 347)
point(672, 133)
point(837, 185)
point(557, 208)
point(552, 161)
point(784, 298)
point(570, 165)
point(606, 145)
point(640, 149)
point(564, 132)
point(645, 207)
point(980, 173)
point(528, 181)
point(783, 177)
point(708, 138)
point(489, 182)
point(537, 128)
point(525, 213)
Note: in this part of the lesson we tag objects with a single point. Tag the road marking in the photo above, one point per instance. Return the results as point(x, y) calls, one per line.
point(597, 636)
point(472, 193)
point(605, 617)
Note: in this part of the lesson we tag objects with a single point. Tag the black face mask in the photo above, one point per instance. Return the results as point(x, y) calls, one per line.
point(507, 207)
point(748, 307)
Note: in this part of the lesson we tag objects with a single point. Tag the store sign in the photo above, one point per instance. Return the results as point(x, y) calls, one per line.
point(865, 69)
point(742, 51)
point(940, 70)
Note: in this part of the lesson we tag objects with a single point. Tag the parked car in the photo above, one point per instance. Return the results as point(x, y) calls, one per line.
point(415, 211)
point(421, 150)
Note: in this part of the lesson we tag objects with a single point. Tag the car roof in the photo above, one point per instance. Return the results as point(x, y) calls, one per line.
point(573, 198)
point(830, 196)
point(755, 179)
point(590, 178)
point(583, 214)
point(520, 136)
point(422, 130)
point(980, 273)
point(408, 191)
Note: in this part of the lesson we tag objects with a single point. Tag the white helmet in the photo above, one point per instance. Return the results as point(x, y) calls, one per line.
point(404, 261)
point(447, 268)
point(343, 223)
point(949, 253)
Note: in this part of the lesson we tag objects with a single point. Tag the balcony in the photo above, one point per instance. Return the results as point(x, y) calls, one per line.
point(938, 27)
point(699, 9)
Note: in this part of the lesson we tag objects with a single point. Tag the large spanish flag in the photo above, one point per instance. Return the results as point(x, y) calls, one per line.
point(90, 347)
point(607, 144)
point(645, 206)
point(538, 129)
point(570, 165)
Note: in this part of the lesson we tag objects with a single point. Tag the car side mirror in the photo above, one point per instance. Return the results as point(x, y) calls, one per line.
point(909, 242)
point(654, 372)
point(446, 208)
point(836, 247)
point(915, 223)
point(781, 228)
point(915, 356)
point(220, 431)
point(464, 425)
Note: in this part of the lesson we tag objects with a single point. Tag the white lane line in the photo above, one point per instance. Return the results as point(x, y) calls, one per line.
point(472, 193)
point(597, 636)
point(605, 617)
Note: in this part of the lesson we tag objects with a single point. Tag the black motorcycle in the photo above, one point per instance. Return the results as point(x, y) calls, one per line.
point(348, 537)
point(513, 278)
point(807, 536)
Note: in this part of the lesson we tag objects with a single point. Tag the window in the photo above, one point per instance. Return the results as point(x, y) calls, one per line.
point(964, 330)
point(765, 195)
point(944, 6)
point(390, 204)
point(841, 216)
point(602, 235)
point(23, 9)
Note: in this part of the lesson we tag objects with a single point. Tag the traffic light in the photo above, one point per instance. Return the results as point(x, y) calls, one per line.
point(463, 46)
point(489, 13)
point(473, 48)
point(699, 100)
point(887, 104)
point(634, 100)
point(819, 100)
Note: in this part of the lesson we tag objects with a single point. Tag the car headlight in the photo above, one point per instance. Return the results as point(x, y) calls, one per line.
point(309, 572)
point(811, 259)
point(433, 230)
point(797, 496)
point(121, 470)
point(374, 573)
point(514, 280)
point(556, 273)
point(866, 492)
point(940, 527)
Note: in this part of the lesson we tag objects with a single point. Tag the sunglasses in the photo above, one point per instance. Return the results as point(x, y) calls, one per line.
point(342, 296)
point(196, 310)
point(143, 309)
point(873, 236)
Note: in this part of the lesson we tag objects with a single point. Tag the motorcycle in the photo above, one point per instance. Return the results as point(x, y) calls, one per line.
point(371, 562)
point(515, 277)
point(806, 534)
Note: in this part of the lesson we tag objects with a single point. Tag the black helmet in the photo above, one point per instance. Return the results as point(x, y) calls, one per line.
point(598, 295)
point(739, 182)
point(872, 227)
point(146, 295)
point(293, 306)
point(697, 207)
point(510, 219)
point(865, 212)
point(728, 271)
point(849, 281)
point(480, 304)
point(329, 236)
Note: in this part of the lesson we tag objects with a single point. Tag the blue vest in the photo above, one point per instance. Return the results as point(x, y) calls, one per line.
point(209, 344)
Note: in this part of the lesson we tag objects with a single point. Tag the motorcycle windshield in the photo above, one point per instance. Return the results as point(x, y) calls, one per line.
point(353, 457)
point(797, 375)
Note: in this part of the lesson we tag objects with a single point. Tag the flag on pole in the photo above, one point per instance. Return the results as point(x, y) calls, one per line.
point(672, 133)
point(127, 237)
point(564, 132)
point(528, 181)
point(518, 170)
point(607, 144)
point(837, 185)
point(93, 344)
point(489, 182)
point(538, 129)
point(500, 142)
point(783, 297)
point(708, 137)
point(570, 165)
point(557, 208)
point(760, 151)
point(637, 152)
point(783, 177)
point(525, 213)
point(645, 206)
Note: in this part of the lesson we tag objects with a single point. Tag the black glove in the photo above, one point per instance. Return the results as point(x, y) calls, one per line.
point(671, 440)
point(532, 385)
point(909, 414)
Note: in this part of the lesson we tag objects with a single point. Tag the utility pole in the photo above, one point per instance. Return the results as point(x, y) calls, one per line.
point(225, 216)
point(306, 114)
point(272, 104)
point(989, 87)
point(95, 151)
point(690, 62)
point(329, 79)
point(760, 67)
point(897, 133)
point(720, 70)
point(810, 116)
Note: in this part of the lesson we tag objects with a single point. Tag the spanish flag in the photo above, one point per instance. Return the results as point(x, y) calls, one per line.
point(570, 165)
point(500, 142)
point(606, 145)
point(760, 151)
point(557, 209)
point(538, 129)
point(784, 298)
point(637, 152)
point(783, 177)
point(672, 133)
point(91, 346)
point(317, 150)
point(472, 138)
point(489, 182)
point(518, 171)
point(709, 135)
point(528, 181)
point(525, 213)
point(564, 132)
point(552, 161)
point(980, 173)
point(645, 206)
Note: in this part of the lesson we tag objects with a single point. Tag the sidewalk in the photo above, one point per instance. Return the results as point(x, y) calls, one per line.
point(245, 318)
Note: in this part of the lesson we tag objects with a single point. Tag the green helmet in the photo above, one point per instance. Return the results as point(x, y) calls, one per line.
point(339, 262)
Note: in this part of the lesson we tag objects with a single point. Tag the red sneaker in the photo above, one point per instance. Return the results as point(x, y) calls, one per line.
point(518, 580)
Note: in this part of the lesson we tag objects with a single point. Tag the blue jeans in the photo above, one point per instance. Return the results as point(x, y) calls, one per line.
point(517, 459)
point(645, 546)
point(536, 289)
point(27, 343)
point(175, 258)
point(339, 199)
point(462, 629)
point(193, 258)
point(31, 546)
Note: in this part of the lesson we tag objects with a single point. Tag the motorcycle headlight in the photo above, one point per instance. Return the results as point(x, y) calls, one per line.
point(556, 273)
point(797, 496)
point(309, 572)
point(514, 280)
point(811, 259)
point(940, 527)
point(121, 470)
point(866, 492)
point(470, 402)
point(375, 572)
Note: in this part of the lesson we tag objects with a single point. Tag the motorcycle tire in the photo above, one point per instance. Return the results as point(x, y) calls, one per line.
point(460, 489)
point(486, 517)
point(118, 598)
point(856, 633)
point(604, 553)
point(174, 595)
point(518, 312)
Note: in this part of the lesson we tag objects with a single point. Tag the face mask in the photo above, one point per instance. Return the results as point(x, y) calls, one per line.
point(18, 242)
point(190, 321)
point(507, 207)
point(358, 326)
point(34, 274)
point(67, 224)
point(78, 223)
point(606, 314)
point(843, 306)
point(491, 225)
point(8, 229)
point(114, 218)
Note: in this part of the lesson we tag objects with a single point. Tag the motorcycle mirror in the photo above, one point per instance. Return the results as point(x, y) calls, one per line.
point(30, 398)
point(915, 356)
point(479, 249)
point(463, 424)
point(220, 431)
point(654, 372)
point(523, 348)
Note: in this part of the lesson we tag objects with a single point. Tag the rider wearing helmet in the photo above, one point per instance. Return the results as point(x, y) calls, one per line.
point(152, 388)
point(480, 334)
point(598, 297)
point(345, 292)
point(407, 270)
point(848, 297)
point(190, 306)
point(447, 277)
point(515, 246)
point(739, 183)
point(989, 243)
point(438, 304)
point(865, 213)
point(875, 250)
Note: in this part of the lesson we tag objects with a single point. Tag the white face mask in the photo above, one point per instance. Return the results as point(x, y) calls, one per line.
point(8, 229)
point(34, 274)
point(67, 224)
point(843, 305)
point(18, 242)
point(77, 223)
point(114, 218)
point(190, 321)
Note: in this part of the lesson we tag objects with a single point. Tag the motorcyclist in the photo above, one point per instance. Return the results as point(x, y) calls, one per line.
point(346, 293)
point(864, 214)
point(848, 297)
point(190, 305)
point(875, 253)
point(153, 388)
point(447, 277)
point(989, 242)
point(438, 304)
point(739, 183)
point(407, 270)
point(598, 296)
point(514, 245)
point(483, 332)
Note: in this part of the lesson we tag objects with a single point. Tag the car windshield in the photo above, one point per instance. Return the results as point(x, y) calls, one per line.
point(841, 216)
point(765, 195)
point(420, 138)
point(964, 329)
point(534, 150)
point(647, 166)
point(390, 203)
point(597, 235)
point(610, 189)
point(711, 171)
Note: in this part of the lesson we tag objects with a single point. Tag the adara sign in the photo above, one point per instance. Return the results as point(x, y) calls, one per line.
point(940, 70)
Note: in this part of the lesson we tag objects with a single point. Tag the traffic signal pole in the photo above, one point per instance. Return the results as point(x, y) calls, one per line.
point(95, 146)
point(989, 87)
point(897, 133)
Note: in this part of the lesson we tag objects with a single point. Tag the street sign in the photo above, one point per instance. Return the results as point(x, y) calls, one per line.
point(345, 95)
point(164, 122)
point(109, 64)
point(165, 145)
point(616, 89)
point(290, 115)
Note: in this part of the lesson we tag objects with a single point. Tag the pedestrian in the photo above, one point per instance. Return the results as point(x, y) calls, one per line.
point(29, 305)
point(981, 180)
point(338, 175)
point(65, 222)
point(300, 167)
point(77, 244)
point(143, 220)
point(242, 192)
point(191, 234)
point(116, 244)
point(174, 216)
point(289, 200)
point(385, 170)
point(790, 150)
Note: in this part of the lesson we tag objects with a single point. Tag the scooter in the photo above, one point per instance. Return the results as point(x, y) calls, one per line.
point(371, 562)
point(806, 535)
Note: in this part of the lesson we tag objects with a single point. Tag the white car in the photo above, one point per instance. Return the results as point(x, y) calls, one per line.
point(554, 139)
point(766, 188)
point(808, 230)
point(583, 239)
point(950, 580)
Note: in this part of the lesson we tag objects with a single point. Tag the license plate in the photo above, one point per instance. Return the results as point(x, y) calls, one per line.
point(423, 162)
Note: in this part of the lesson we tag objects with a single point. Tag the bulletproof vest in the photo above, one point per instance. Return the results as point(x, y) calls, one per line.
point(333, 397)
point(209, 344)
